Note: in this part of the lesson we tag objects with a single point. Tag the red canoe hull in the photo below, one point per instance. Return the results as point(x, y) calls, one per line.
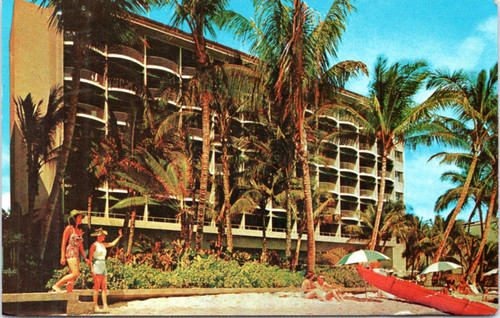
point(420, 295)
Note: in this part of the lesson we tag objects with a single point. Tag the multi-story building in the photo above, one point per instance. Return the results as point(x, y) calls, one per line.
point(42, 58)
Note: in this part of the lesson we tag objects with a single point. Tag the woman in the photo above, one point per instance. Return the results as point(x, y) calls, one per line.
point(330, 291)
point(97, 263)
point(308, 289)
point(71, 246)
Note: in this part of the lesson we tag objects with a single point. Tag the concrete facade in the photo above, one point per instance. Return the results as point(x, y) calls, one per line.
point(41, 58)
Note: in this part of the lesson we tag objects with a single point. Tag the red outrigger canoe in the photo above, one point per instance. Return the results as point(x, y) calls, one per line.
point(420, 295)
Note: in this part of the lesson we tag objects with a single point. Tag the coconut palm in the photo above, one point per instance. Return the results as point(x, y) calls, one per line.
point(391, 117)
point(199, 15)
point(491, 181)
point(295, 46)
point(38, 132)
point(417, 241)
point(159, 180)
point(92, 23)
point(474, 100)
point(392, 220)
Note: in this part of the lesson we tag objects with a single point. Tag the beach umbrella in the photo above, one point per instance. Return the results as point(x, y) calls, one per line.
point(492, 272)
point(440, 267)
point(362, 256)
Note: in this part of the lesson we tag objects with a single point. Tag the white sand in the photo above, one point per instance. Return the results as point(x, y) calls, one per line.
point(265, 304)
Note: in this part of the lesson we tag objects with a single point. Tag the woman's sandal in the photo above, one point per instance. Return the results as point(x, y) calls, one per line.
point(56, 289)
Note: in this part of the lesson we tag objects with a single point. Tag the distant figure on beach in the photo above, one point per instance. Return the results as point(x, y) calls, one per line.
point(97, 263)
point(449, 289)
point(71, 246)
point(329, 290)
point(464, 288)
point(312, 289)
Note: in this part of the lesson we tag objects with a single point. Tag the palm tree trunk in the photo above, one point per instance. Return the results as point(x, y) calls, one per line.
point(311, 246)
point(264, 229)
point(461, 202)
point(205, 158)
point(380, 205)
point(491, 210)
point(295, 261)
point(227, 194)
point(131, 234)
point(288, 233)
point(69, 128)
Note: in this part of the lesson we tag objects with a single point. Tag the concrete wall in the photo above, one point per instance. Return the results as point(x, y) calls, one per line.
point(36, 65)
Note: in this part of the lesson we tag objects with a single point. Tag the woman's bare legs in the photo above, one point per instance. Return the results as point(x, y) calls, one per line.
point(74, 272)
point(95, 294)
point(104, 295)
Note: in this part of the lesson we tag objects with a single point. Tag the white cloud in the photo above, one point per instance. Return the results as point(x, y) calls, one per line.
point(489, 28)
point(6, 201)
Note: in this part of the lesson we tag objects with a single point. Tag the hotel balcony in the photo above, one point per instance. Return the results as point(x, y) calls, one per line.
point(160, 63)
point(86, 76)
point(126, 52)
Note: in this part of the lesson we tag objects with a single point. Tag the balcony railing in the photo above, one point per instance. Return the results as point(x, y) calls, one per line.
point(347, 189)
point(351, 142)
point(347, 165)
point(126, 51)
point(188, 71)
point(350, 214)
point(388, 174)
point(163, 62)
point(165, 94)
point(85, 75)
point(121, 116)
point(120, 83)
point(195, 132)
point(327, 185)
point(91, 110)
point(366, 193)
point(365, 146)
point(368, 170)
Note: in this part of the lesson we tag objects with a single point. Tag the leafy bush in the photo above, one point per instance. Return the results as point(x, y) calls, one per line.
point(344, 276)
point(193, 271)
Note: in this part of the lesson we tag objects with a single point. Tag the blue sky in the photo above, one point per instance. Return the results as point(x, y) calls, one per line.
point(452, 34)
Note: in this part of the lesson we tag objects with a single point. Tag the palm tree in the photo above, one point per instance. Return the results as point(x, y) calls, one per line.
point(199, 16)
point(391, 116)
point(295, 45)
point(490, 153)
point(159, 180)
point(392, 220)
point(38, 132)
point(417, 241)
point(92, 23)
point(475, 102)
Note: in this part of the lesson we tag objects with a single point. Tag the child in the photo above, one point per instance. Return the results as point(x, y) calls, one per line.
point(97, 263)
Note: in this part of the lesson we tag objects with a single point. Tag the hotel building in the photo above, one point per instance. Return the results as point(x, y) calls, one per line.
point(41, 58)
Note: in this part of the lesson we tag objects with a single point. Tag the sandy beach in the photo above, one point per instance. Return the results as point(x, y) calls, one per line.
point(266, 304)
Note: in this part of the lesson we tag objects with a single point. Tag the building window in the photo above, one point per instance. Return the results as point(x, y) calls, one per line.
point(399, 196)
point(399, 176)
point(399, 156)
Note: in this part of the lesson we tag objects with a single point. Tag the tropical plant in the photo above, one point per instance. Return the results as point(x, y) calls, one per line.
point(392, 221)
point(295, 46)
point(92, 23)
point(38, 132)
point(199, 16)
point(391, 117)
point(475, 102)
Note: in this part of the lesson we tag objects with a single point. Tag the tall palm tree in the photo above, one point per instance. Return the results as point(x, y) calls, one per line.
point(392, 220)
point(93, 23)
point(475, 101)
point(38, 132)
point(295, 46)
point(392, 117)
point(159, 180)
point(199, 16)
point(491, 155)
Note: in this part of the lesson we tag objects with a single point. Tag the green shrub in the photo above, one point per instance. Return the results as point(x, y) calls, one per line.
point(344, 276)
point(206, 271)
